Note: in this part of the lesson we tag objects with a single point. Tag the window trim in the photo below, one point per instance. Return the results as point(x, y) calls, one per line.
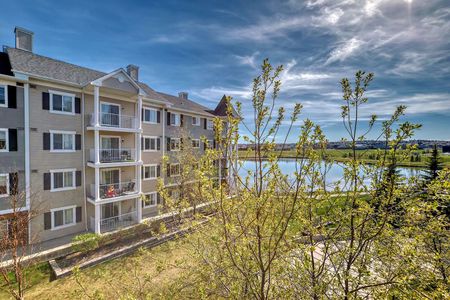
point(6, 95)
point(198, 140)
point(156, 200)
point(179, 144)
point(179, 119)
point(156, 112)
point(198, 121)
point(52, 93)
point(6, 130)
point(7, 185)
point(52, 132)
point(156, 143)
point(52, 213)
point(208, 122)
point(179, 170)
point(100, 113)
point(52, 180)
point(156, 172)
point(210, 144)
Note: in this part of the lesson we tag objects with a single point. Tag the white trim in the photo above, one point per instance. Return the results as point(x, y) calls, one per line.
point(111, 136)
point(7, 185)
point(6, 95)
point(153, 109)
point(74, 216)
point(198, 147)
point(156, 143)
point(156, 171)
point(209, 121)
point(6, 130)
point(52, 132)
point(156, 200)
point(196, 118)
point(101, 112)
point(109, 169)
point(179, 144)
point(99, 81)
point(52, 181)
point(52, 93)
point(170, 170)
point(179, 119)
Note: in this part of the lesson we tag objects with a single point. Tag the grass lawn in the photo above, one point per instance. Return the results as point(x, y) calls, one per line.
point(110, 277)
point(367, 156)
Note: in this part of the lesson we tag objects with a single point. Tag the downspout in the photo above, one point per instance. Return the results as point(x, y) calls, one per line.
point(26, 112)
point(84, 161)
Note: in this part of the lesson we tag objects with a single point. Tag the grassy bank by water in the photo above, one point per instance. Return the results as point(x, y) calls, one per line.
point(418, 159)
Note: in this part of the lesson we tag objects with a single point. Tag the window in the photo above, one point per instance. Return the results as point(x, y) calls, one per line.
point(175, 119)
point(63, 217)
point(110, 114)
point(150, 143)
point(174, 144)
point(150, 171)
point(175, 194)
point(196, 121)
point(209, 144)
point(61, 141)
point(62, 180)
point(3, 96)
point(174, 169)
point(4, 185)
point(151, 200)
point(62, 103)
point(4, 140)
point(195, 143)
point(150, 115)
point(209, 125)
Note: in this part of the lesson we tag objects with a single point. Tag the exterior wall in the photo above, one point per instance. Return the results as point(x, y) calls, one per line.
point(42, 161)
point(14, 161)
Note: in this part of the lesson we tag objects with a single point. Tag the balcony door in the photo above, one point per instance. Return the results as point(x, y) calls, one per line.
point(110, 183)
point(110, 148)
point(110, 176)
point(110, 210)
point(110, 114)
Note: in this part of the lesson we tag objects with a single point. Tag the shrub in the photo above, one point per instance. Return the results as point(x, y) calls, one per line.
point(85, 242)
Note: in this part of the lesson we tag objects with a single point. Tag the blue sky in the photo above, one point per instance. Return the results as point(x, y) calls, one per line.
point(211, 48)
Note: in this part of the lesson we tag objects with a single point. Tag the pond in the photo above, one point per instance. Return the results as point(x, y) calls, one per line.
point(335, 171)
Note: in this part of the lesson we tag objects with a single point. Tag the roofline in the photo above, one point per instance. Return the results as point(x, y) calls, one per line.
point(48, 78)
point(206, 114)
point(98, 81)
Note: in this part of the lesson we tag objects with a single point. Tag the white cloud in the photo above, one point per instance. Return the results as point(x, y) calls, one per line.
point(344, 50)
point(249, 60)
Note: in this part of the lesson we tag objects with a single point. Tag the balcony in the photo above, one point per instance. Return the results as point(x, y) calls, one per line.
point(117, 222)
point(118, 190)
point(113, 155)
point(114, 122)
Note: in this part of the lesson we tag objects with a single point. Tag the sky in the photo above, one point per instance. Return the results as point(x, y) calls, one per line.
point(211, 48)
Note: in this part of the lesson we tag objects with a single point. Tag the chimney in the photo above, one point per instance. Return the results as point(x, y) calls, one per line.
point(24, 39)
point(183, 95)
point(133, 71)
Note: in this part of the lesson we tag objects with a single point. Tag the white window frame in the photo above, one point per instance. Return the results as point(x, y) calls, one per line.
point(179, 144)
point(156, 200)
point(52, 132)
point(198, 121)
point(209, 124)
point(198, 141)
point(113, 104)
point(6, 95)
point(179, 119)
point(52, 181)
point(6, 130)
point(52, 93)
point(156, 143)
point(74, 213)
point(7, 185)
point(179, 170)
point(156, 115)
point(156, 172)
point(210, 144)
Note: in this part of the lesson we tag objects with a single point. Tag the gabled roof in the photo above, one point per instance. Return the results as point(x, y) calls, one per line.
point(186, 104)
point(222, 108)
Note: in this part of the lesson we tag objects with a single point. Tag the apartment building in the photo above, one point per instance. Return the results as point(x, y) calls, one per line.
point(86, 146)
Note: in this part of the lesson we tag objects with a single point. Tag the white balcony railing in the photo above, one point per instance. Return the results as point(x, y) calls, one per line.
point(114, 190)
point(115, 120)
point(113, 155)
point(114, 223)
